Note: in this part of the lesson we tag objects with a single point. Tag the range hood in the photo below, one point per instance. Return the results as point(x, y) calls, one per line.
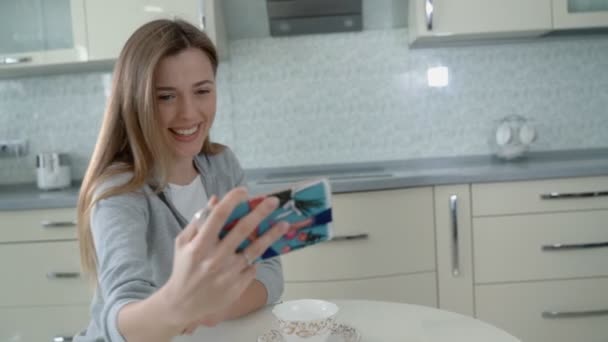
point(295, 17)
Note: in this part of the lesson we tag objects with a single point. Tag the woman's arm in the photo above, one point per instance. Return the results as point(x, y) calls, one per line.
point(149, 320)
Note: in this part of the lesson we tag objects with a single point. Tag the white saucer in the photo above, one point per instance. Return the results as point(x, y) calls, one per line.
point(340, 333)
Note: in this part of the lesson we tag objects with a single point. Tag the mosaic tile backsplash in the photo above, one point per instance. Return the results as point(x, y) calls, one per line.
point(346, 97)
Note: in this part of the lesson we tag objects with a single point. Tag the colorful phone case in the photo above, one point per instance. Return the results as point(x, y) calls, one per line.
point(306, 206)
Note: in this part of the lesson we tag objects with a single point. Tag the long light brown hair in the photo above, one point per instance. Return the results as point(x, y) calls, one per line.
point(130, 139)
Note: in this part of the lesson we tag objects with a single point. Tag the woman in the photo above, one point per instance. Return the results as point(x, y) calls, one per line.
point(157, 275)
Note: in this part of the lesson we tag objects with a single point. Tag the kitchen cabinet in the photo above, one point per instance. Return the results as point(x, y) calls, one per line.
point(577, 14)
point(540, 251)
point(42, 323)
point(564, 310)
point(383, 249)
point(35, 33)
point(454, 248)
point(44, 294)
point(447, 20)
point(111, 22)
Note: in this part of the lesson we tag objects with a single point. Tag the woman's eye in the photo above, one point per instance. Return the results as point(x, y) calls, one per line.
point(203, 91)
point(166, 97)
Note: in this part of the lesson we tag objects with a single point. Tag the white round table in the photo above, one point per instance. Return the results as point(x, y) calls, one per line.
point(377, 322)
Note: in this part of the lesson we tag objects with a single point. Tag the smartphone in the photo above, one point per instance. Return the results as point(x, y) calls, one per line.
point(305, 205)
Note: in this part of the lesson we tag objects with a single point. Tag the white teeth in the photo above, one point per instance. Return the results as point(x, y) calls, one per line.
point(189, 131)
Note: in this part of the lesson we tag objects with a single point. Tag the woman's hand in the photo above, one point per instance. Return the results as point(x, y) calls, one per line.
point(207, 272)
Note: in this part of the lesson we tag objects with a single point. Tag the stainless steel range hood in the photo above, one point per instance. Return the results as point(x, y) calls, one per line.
point(293, 17)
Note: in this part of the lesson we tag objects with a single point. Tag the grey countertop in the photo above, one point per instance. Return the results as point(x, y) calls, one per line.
point(354, 177)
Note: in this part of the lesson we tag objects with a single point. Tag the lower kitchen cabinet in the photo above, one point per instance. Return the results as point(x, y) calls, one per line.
point(419, 289)
point(540, 250)
point(551, 311)
point(383, 249)
point(44, 297)
point(44, 323)
point(454, 248)
point(42, 273)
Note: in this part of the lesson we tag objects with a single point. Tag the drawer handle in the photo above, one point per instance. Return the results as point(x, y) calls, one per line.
point(58, 224)
point(338, 238)
point(575, 246)
point(15, 60)
point(573, 195)
point(63, 339)
point(573, 314)
point(63, 275)
point(455, 251)
point(428, 12)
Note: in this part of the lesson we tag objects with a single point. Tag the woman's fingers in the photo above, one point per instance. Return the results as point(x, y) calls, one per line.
point(218, 216)
point(191, 229)
point(246, 225)
point(261, 244)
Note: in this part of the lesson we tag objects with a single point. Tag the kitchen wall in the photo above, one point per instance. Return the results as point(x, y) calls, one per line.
point(346, 97)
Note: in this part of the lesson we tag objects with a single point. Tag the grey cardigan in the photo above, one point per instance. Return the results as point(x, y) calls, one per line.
point(134, 240)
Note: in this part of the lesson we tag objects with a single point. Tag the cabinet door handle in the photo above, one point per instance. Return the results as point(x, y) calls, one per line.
point(574, 246)
point(428, 12)
point(15, 60)
point(573, 314)
point(573, 195)
point(58, 224)
point(363, 236)
point(455, 250)
point(63, 275)
point(63, 339)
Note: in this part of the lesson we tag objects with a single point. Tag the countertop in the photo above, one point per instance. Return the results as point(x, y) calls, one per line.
point(367, 176)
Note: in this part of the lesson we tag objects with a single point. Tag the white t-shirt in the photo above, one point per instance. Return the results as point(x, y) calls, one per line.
point(188, 199)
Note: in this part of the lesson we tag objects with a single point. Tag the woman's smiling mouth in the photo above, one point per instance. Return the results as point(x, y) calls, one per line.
point(185, 134)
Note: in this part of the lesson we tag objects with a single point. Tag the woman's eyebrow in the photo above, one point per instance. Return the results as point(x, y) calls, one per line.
point(197, 84)
point(200, 83)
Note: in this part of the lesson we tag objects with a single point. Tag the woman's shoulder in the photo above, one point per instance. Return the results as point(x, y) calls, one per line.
point(115, 189)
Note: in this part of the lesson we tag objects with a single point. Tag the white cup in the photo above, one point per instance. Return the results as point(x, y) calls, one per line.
point(305, 320)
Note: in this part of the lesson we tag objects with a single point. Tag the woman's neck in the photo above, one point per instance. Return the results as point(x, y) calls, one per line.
point(182, 172)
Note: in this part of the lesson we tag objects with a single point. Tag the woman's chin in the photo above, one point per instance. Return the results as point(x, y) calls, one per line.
point(187, 153)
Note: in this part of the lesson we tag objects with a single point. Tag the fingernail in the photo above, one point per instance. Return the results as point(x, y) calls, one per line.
point(284, 226)
point(201, 215)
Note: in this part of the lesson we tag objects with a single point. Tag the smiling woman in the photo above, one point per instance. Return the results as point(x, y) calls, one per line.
point(157, 273)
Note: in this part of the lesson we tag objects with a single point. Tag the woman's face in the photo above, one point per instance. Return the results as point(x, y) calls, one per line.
point(186, 97)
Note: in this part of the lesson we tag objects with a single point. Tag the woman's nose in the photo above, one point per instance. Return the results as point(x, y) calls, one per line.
point(188, 108)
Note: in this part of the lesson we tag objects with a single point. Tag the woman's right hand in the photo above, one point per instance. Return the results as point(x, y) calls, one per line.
point(207, 272)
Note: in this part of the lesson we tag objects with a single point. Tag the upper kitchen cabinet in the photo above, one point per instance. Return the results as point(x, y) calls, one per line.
point(573, 14)
point(111, 22)
point(41, 32)
point(448, 20)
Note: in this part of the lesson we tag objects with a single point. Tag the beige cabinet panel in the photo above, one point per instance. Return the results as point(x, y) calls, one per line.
point(454, 249)
point(43, 324)
point(510, 248)
point(420, 289)
point(42, 274)
point(111, 22)
point(518, 309)
point(401, 238)
point(527, 197)
point(37, 225)
point(448, 20)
